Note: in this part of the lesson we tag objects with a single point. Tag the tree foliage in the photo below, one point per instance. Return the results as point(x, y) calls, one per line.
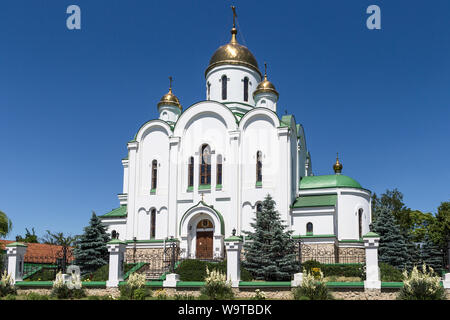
point(270, 253)
point(5, 225)
point(29, 237)
point(91, 251)
point(393, 248)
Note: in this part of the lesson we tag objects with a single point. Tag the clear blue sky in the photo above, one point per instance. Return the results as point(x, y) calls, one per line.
point(70, 100)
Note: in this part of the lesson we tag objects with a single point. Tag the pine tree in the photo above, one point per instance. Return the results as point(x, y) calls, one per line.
point(91, 252)
point(412, 251)
point(392, 249)
point(431, 254)
point(270, 253)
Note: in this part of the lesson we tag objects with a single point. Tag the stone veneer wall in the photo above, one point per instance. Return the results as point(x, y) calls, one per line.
point(271, 293)
point(153, 256)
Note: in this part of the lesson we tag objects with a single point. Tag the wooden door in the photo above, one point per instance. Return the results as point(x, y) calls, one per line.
point(204, 249)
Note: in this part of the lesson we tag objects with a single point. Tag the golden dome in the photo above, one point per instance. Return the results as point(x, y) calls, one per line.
point(233, 53)
point(265, 85)
point(169, 99)
point(337, 166)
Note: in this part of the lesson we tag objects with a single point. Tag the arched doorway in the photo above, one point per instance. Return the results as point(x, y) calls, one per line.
point(204, 243)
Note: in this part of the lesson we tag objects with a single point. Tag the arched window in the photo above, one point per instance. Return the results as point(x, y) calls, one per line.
point(154, 174)
point(309, 229)
point(114, 234)
point(219, 170)
point(259, 166)
point(224, 87)
point(191, 172)
point(360, 213)
point(152, 224)
point(205, 165)
point(245, 89)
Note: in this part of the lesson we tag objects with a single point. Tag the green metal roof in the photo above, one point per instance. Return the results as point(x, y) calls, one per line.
point(315, 201)
point(116, 213)
point(328, 181)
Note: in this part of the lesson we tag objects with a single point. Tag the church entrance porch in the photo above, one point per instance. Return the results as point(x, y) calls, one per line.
point(201, 233)
point(204, 240)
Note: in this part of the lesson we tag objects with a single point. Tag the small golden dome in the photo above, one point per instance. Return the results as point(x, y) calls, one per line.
point(233, 53)
point(265, 85)
point(337, 166)
point(169, 99)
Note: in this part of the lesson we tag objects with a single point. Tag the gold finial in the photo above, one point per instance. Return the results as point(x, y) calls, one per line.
point(202, 196)
point(265, 71)
point(234, 30)
point(337, 166)
point(170, 84)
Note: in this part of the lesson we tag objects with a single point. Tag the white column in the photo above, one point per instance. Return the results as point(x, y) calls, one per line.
point(132, 191)
point(16, 252)
point(233, 246)
point(235, 186)
point(371, 244)
point(174, 143)
point(284, 177)
point(116, 249)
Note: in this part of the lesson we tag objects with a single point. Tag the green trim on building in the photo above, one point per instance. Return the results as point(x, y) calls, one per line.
point(190, 189)
point(120, 212)
point(371, 235)
point(258, 184)
point(204, 187)
point(187, 284)
point(358, 284)
point(328, 181)
point(218, 187)
point(135, 268)
point(153, 191)
point(16, 244)
point(116, 241)
point(234, 238)
point(315, 201)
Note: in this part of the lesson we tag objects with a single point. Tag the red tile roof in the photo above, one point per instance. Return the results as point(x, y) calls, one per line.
point(39, 252)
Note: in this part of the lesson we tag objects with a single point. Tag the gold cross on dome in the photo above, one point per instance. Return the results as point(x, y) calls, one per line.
point(234, 15)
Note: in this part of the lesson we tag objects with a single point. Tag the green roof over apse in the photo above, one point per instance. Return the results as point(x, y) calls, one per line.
point(315, 201)
point(116, 213)
point(328, 181)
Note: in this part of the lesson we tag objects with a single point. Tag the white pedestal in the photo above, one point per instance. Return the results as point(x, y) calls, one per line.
point(171, 280)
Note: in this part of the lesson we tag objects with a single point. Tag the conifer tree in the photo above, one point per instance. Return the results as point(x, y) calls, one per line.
point(91, 252)
point(270, 252)
point(392, 249)
point(431, 254)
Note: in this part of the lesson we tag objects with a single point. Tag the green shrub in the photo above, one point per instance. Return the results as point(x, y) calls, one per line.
point(10, 297)
point(6, 285)
point(389, 273)
point(102, 273)
point(195, 270)
point(421, 285)
point(216, 286)
point(259, 295)
point(63, 292)
point(135, 288)
point(45, 274)
point(312, 288)
point(160, 294)
point(93, 297)
point(36, 296)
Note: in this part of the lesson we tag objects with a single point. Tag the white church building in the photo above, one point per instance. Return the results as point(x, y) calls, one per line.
point(196, 174)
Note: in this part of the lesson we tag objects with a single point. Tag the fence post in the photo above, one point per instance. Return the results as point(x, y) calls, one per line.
point(16, 253)
point(371, 244)
point(233, 245)
point(116, 250)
